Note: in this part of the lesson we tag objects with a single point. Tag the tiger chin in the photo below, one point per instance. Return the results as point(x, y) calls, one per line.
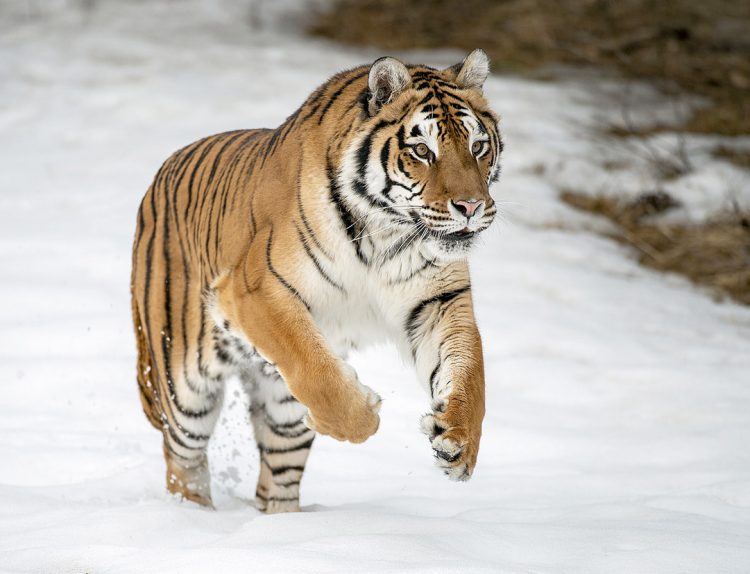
point(269, 254)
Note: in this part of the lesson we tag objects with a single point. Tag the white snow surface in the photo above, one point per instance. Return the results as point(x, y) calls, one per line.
point(617, 436)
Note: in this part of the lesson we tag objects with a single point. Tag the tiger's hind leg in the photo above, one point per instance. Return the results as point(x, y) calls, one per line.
point(186, 441)
point(185, 429)
point(188, 398)
point(187, 468)
point(186, 433)
point(283, 439)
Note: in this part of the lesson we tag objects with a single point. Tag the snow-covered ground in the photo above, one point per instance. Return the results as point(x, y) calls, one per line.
point(617, 437)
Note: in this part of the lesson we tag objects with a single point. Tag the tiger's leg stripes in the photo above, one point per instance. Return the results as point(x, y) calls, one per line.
point(187, 462)
point(164, 392)
point(186, 441)
point(283, 439)
point(188, 478)
point(447, 350)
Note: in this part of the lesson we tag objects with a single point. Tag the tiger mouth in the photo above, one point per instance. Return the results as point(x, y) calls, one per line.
point(464, 235)
point(461, 234)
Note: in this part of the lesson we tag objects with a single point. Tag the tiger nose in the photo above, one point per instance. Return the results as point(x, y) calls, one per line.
point(467, 208)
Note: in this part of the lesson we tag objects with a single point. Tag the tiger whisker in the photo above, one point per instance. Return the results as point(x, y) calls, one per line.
point(376, 211)
point(412, 238)
point(404, 238)
point(393, 224)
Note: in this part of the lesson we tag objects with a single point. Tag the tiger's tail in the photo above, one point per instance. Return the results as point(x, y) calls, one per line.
point(149, 389)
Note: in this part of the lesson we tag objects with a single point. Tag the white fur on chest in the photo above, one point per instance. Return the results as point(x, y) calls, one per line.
point(371, 310)
point(353, 323)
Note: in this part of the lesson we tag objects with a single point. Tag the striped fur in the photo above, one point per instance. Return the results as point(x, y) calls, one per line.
point(269, 254)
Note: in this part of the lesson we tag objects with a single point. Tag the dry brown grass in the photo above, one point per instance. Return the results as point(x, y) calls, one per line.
point(713, 254)
point(700, 47)
point(740, 158)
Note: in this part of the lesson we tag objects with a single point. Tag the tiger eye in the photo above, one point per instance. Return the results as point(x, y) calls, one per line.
point(477, 146)
point(422, 150)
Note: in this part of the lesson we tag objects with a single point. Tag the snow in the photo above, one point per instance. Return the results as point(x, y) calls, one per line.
point(617, 432)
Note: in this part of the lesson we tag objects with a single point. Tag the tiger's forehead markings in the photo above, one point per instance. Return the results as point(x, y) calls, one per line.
point(448, 112)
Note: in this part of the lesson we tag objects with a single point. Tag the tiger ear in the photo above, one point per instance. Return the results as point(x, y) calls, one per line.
point(388, 78)
point(473, 71)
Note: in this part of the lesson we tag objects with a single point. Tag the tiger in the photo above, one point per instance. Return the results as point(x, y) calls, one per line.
point(270, 254)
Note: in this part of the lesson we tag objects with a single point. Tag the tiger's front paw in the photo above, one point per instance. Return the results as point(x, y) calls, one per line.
point(353, 417)
point(454, 444)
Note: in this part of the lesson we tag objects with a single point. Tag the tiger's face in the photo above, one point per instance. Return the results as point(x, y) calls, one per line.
point(448, 160)
point(439, 150)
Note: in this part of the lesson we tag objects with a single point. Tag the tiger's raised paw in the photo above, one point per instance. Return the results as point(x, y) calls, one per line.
point(454, 448)
point(355, 420)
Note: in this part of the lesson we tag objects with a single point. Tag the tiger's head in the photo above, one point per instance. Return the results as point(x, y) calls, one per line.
point(430, 151)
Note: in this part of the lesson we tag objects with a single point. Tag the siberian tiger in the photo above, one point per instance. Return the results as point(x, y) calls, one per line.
point(270, 253)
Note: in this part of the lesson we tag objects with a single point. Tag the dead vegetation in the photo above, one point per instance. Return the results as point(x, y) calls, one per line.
point(713, 254)
point(740, 158)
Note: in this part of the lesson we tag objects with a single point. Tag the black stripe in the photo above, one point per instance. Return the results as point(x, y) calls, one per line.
point(342, 136)
point(283, 450)
point(209, 195)
point(177, 440)
point(429, 96)
point(385, 156)
point(401, 139)
point(363, 155)
point(225, 139)
point(248, 167)
point(270, 144)
point(395, 249)
point(442, 298)
point(303, 216)
point(277, 498)
point(315, 261)
point(277, 425)
point(227, 188)
point(252, 219)
point(313, 102)
point(285, 433)
point(332, 99)
point(141, 225)
point(293, 290)
point(351, 228)
point(202, 369)
point(211, 142)
point(433, 375)
point(427, 263)
point(287, 399)
point(282, 469)
point(213, 227)
point(284, 130)
point(146, 326)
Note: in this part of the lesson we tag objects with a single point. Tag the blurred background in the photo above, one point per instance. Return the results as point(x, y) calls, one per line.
point(612, 292)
